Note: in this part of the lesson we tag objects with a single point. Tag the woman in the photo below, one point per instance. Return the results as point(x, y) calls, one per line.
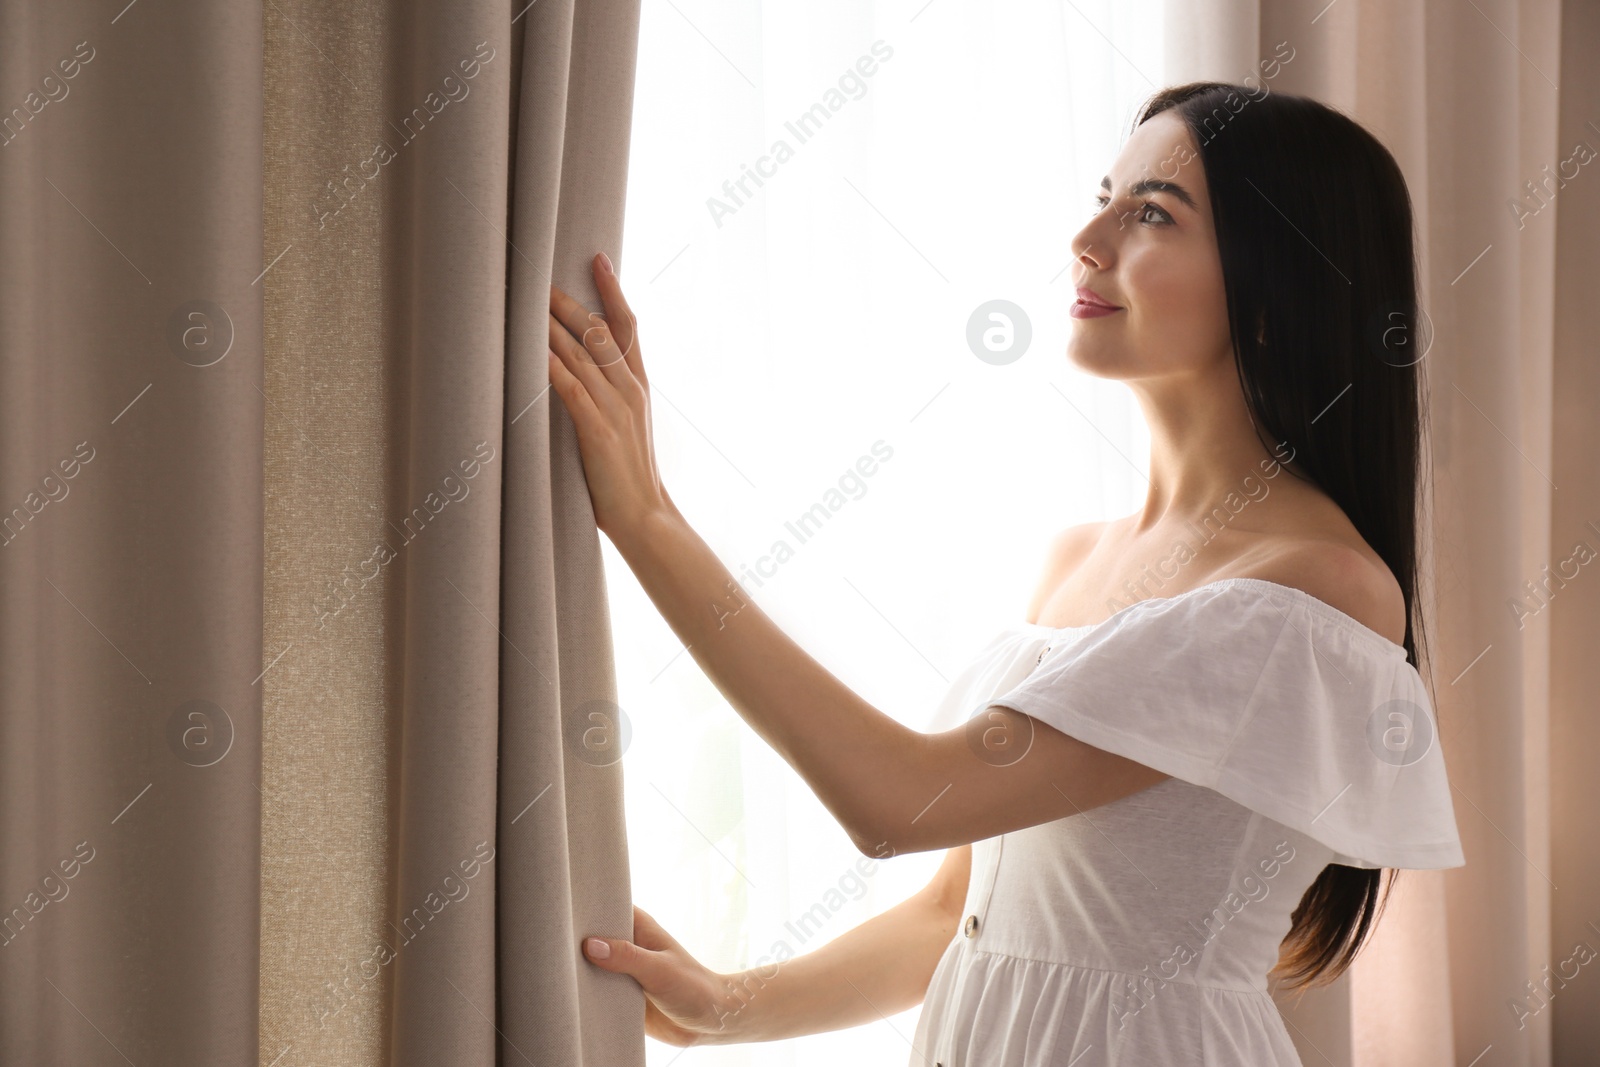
point(1186, 776)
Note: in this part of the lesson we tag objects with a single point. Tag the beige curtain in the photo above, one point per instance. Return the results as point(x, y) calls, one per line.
point(1493, 962)
point(308, 750)
point(130, 532)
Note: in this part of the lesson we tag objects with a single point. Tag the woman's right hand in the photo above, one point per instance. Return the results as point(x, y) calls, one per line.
point(684, 1000)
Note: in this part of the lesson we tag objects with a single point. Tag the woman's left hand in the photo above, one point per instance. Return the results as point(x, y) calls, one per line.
point(598, 371)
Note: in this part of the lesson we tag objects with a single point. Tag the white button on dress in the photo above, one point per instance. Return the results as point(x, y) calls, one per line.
point(1141, 932)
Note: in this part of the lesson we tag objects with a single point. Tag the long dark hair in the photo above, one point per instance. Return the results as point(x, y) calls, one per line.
point(1314, 228)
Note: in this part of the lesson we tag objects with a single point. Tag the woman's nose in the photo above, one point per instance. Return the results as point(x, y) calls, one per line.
point(1091, 246)
point(1091, 249)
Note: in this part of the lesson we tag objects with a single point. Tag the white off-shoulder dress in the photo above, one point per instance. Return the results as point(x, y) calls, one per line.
point(1141, 931)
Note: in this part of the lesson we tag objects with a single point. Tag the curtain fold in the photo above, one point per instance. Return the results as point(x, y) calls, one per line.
point(434, 553)
point(1572, 436)
point(130, 532)
point(564, 872)
point(1483, 115)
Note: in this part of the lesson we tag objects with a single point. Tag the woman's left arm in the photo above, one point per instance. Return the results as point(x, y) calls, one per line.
point(892, 789)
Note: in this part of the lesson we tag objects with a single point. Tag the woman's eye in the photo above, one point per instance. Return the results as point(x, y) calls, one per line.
point(1160, 217)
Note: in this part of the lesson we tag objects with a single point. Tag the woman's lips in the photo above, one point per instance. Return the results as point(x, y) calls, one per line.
point(1090, 304)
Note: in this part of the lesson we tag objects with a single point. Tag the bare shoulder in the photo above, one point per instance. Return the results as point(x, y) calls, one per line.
point(1067, 549)
point(1355, 582)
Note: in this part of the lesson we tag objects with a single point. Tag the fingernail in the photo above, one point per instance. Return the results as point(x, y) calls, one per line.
point(605, 263)
point(599, 949)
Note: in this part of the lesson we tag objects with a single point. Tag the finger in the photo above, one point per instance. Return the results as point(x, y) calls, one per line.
point(650, 969)
point(593, 333)
point(580, 405)
point(649, 933)
point(577, 360)
point(619, 315)
point(663, 1029)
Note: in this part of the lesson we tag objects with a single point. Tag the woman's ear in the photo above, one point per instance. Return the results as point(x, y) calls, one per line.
point(1261, 329)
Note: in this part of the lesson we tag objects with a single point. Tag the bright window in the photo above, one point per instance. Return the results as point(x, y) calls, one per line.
point(795, 326)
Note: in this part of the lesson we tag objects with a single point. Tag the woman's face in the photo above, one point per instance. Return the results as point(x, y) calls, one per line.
point(1153, 253)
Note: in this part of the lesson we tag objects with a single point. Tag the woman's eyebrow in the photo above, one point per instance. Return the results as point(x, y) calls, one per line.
point(1154, 185)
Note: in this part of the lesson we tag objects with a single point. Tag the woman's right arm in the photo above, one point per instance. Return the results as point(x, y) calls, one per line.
point(874, 970)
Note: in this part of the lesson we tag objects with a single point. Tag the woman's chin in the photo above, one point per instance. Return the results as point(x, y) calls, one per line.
point(1093, 359)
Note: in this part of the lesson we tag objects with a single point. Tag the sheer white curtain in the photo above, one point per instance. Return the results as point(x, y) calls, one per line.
point(825, 421)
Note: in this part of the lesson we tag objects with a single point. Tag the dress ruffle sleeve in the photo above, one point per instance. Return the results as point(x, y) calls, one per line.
point(1272, 698)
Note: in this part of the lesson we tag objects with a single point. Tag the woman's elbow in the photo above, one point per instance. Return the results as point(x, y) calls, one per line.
point(875, 845)
point(904, 815)
point(887, 838)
